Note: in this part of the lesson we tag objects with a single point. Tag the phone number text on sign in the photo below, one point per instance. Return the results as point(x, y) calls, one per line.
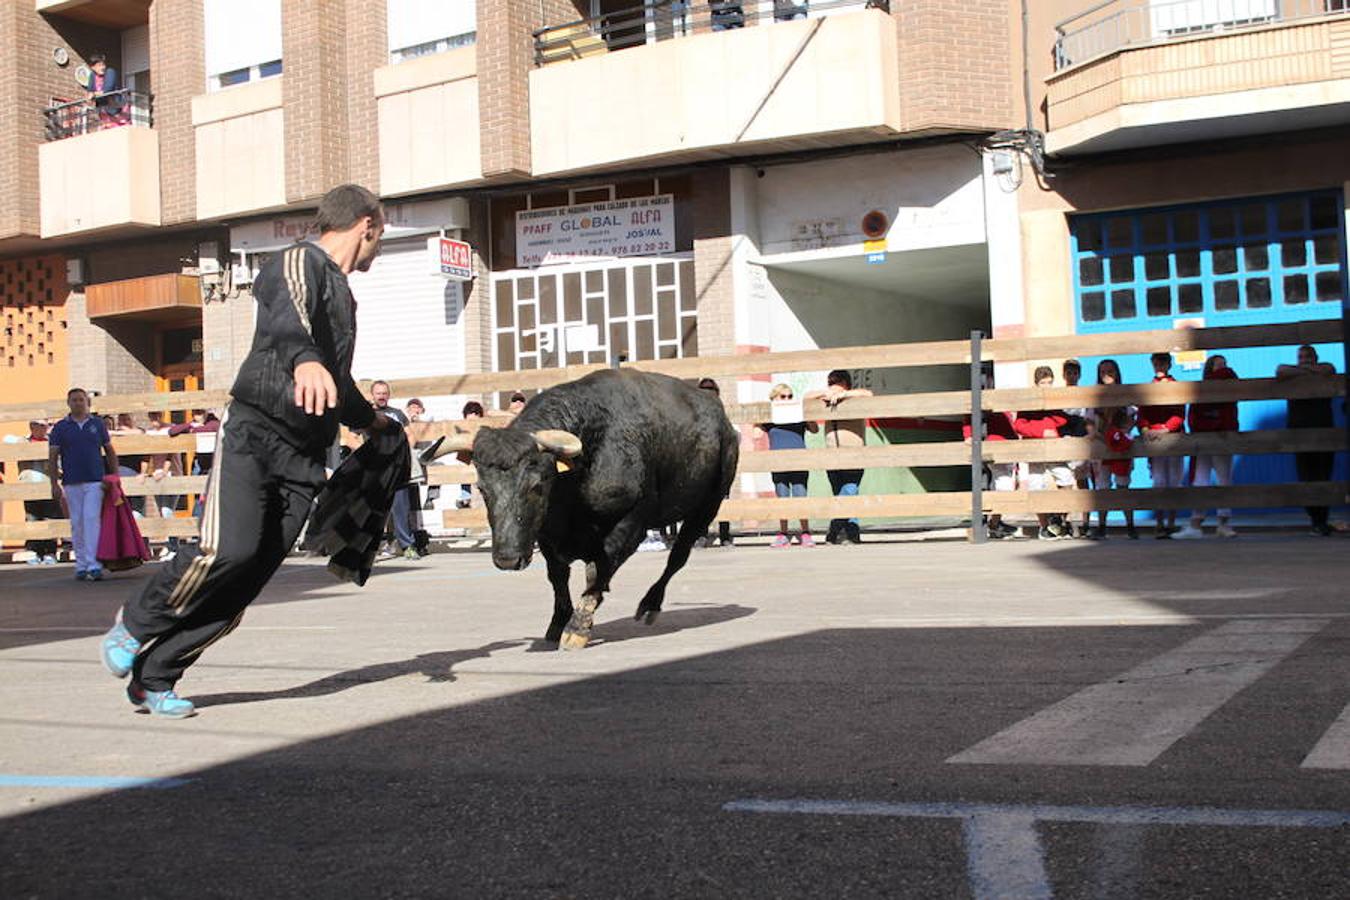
point(615, 228)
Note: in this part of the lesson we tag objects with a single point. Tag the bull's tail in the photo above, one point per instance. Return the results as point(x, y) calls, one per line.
point(731, 457)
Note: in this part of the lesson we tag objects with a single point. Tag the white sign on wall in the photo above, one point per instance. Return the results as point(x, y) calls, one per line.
point(640, 226)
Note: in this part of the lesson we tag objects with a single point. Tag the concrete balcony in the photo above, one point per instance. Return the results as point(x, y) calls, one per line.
point(103, 13)
point(1133, 76)
point(428, 122)
point(163, 299)
point(241, 149)
point(102, 181)
point(772, 86)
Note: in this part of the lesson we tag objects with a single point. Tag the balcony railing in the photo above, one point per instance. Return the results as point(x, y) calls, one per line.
point(114, 109)
point(1117, 24)
point(665, 19)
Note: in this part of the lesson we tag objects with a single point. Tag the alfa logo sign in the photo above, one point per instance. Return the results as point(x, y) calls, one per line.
point(450, 258)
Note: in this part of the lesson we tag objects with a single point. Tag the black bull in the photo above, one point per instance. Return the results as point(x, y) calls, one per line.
point(588, 467)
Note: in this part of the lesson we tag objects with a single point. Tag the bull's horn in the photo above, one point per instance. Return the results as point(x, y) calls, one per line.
point(564, 443)
point(454, 443)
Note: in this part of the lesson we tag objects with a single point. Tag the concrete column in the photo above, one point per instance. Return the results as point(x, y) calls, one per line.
point(1007, 298)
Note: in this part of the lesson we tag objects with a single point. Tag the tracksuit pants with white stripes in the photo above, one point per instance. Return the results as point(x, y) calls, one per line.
point(258, 496)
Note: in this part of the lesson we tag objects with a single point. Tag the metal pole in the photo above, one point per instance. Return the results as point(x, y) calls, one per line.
point(978, 534)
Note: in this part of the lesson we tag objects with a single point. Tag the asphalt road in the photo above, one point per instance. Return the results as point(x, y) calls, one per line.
point(898, 719)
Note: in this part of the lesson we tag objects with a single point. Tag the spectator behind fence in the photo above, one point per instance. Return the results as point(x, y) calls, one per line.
point(36, 471)
point(400, 513)
point(1211, 418)
point(842, 433)
point(723, 527)
point(472, 410)
point(1080, 424)
point(1313, 412)
point(162, 466)
point(997, 426)
point(1157, 420)
point(789, 436)
point(1037, 425)
point(1114, 424)
point(418, 423)
point(78, 444)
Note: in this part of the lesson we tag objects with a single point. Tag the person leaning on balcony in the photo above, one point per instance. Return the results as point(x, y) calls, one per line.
point(1313, 412)
point(842, 433)
point(104, 91)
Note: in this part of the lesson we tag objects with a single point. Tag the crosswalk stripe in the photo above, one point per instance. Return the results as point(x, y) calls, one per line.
point(1133, 718)
point(1333, 750)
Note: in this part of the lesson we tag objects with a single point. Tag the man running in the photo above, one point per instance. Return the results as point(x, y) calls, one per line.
point(292, 391)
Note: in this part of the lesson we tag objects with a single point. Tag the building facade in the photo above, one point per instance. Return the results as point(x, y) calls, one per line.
point(669, 179)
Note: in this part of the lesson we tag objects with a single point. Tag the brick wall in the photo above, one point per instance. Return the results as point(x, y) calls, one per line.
point(227, 334)
point(478, 296)
point(367, 50)
point(314, 100)
point(713, 277)
point(955, 64)
point(505, 55)
point(115, 359)
point(178, 73)
point(29, 80)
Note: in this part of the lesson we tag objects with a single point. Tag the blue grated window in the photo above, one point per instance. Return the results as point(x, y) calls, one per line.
point(1232, 257)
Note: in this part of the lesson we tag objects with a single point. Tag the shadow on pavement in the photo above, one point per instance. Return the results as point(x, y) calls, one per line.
point(612, 786)
point(440, 667)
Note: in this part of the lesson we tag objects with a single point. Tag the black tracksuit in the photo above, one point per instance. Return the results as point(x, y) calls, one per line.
point(268, 467)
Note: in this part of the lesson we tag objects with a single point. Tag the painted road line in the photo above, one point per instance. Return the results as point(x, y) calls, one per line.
point(88, 782)
point(1004, 857)
point(1136, 716)
point(1333, 750)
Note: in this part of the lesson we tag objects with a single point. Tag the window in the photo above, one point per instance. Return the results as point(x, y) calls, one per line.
point(1212, 260)
point(243, 41)
point(422, 27)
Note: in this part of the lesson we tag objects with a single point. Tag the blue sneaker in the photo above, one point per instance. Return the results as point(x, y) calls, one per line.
point(79, 574)
point(94, 574)
point(119, 650)
point(167, 704)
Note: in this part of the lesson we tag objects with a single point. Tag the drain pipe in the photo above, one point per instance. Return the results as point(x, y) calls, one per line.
point(1026, 65)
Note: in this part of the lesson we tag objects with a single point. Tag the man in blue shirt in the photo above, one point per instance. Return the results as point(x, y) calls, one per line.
point(78, 443)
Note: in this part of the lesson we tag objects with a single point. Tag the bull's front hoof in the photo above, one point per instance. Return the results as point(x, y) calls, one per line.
point(577, 634)
point(574, 640)
point(647, 616)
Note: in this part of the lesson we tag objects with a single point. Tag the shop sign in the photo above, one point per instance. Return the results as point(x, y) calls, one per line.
point(405, 219)
point(451, 258)
point(637, 227)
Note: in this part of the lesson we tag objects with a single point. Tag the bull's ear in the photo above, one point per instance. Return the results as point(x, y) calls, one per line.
point(563, 443)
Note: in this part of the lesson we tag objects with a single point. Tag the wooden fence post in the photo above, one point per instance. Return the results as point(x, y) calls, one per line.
point(978, 533)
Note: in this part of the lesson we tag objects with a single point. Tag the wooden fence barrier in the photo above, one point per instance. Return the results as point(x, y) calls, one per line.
point(939, 404)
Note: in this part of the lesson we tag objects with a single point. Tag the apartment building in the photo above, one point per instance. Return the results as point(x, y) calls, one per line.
point(664, 179)
point(1198, 154)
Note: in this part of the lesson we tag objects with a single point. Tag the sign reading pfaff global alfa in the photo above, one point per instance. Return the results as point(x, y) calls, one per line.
point(615, 228)
point(451, 258)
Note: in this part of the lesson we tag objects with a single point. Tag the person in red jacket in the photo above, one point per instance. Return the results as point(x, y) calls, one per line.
point(998, 426)
point(1167, 471)
point(1208, 418)
point(1045, 424)
point(1113, 427)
